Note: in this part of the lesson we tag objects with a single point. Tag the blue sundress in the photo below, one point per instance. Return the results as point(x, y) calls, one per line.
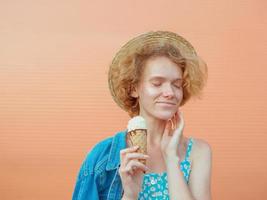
point(155, 185)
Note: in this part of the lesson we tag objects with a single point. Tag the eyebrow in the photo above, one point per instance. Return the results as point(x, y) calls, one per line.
point(163, 78)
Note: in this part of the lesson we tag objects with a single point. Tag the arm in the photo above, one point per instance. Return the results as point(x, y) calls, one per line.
point(200, 178)
point(199, 184)
point(178, 189)
point(199, 188)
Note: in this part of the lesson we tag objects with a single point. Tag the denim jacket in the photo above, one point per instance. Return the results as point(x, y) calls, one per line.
point(98, 178)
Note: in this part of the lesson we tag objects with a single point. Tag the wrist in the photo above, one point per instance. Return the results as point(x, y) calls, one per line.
point(169, 160)
point(126, 198)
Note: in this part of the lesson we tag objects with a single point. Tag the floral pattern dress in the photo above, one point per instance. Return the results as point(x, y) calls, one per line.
point(155, 185)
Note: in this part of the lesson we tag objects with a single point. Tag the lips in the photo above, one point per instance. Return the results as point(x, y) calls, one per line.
point(167, 103)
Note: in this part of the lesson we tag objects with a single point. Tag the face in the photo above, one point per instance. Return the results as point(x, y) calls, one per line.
point(160, 88)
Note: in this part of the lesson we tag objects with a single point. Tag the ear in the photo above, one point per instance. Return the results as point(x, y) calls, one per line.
point(134, 92)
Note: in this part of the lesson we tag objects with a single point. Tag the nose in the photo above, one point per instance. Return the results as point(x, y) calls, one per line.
point(168, 92)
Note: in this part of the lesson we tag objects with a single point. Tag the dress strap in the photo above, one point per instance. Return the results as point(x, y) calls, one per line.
point(189, 147)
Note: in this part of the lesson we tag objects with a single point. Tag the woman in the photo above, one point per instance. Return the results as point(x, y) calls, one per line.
point(152, 75)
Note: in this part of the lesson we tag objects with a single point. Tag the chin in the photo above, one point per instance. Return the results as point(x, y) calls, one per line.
point(164, 115)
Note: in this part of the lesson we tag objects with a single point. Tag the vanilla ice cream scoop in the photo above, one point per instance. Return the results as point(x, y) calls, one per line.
point(137, 122)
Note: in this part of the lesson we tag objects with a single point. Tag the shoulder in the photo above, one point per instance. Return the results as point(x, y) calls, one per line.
point(201, 148)
point(200, 178)
point(97, 157)
point(101, 157)
point(98, 152)
point(100, 147)
point(93, 156)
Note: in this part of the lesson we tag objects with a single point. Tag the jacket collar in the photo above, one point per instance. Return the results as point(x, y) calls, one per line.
point(118, 143)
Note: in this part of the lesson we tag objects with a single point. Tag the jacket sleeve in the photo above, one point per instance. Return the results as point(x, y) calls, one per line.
point(86, 184)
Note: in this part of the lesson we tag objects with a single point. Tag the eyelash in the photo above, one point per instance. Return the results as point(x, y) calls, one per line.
point(159, 84)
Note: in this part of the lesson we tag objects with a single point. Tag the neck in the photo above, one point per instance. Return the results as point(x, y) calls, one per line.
point(155, 130)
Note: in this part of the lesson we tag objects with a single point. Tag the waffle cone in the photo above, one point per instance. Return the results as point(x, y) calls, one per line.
point(138, 138)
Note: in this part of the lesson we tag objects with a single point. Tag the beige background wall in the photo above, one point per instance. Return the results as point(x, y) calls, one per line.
point(55, 103)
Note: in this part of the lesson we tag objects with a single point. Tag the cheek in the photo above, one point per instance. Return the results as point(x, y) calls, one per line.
point(149, 92)
point(147, 97)
point(180, 95)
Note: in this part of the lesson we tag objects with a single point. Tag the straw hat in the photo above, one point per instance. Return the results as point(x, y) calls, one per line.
point(149, 38)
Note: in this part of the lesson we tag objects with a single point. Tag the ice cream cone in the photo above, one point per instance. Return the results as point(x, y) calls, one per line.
point(137, 135)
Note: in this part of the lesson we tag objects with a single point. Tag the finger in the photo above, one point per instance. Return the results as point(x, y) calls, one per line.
point(133, 166)
point(167, 128)
point(129, 149)
point(172, 123)
point(178, 132)
point(181, 121)
point(125, 151)
point(175, 120)
point(132, 170)
point(171, 130)
point(130, 156)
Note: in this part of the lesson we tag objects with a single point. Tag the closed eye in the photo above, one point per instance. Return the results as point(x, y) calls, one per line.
point(156, 84)
point(177, 86)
